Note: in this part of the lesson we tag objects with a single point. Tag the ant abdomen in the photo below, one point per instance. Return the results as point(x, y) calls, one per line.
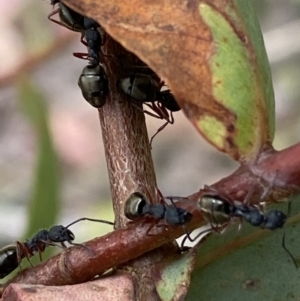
point(274, 219)
point(134, 206)
point(8, 260)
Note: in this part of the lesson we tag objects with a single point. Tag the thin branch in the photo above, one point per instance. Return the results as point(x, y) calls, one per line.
point(77, 265)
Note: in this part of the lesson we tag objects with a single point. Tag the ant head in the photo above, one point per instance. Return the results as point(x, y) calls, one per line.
point(275, 219)
point(184, 216)
point(177, 216)
point(60, 234)
point(134, 205)
point(167, 99)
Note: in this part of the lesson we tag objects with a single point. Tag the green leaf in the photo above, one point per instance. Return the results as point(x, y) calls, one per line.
point(241, 82)
point(45, 200)
point(249, 265)
point(172, 277)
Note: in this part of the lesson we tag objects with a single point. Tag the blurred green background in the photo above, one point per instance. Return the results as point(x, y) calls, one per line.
point(52, 165)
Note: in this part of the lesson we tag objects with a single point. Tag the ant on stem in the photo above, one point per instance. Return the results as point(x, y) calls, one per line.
point(12, 255)
point(218, 211)
point(93, 80)
point(137, 206)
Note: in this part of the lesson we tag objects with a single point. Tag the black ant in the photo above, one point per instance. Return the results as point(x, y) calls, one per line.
point(93, 80)
point(143, 88)
point(8, 260)
point(67, 17)
point(218, 211)
point(94, 85)
point(56, 234)
point(137, 206)
point(90, 36)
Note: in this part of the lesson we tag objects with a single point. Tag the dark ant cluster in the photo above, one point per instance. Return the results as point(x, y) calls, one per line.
point(12, 255)
point(93, 81)
point(216, 210)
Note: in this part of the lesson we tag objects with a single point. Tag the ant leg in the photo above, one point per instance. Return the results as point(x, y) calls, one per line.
point(159, 193)
point(92, 220)
point(246, 201)
point(29, 262)
point(164, 112)
point(158, 130)
point(63, 245)
point(195, 238)
point(155, 224)
point(51, 243)
point(289, 207)
point(157, 115)
point(289, 253)
point(56, 11)
point(82, 39)
point(92, 253)
point(22, 252)
point(158, 108)
point(81, 55)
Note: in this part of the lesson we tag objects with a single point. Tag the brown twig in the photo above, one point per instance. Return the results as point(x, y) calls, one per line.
point(124, 133)
point(76, 265)
point(127, 149)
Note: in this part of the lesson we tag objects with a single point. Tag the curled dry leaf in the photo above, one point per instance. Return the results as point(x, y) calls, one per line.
point(212, 56)
point(116, 288)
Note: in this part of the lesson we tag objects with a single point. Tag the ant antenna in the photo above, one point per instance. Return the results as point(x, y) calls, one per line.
point(92, 220)
point(195, 238)
point(285, 248)
point(283, 238)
